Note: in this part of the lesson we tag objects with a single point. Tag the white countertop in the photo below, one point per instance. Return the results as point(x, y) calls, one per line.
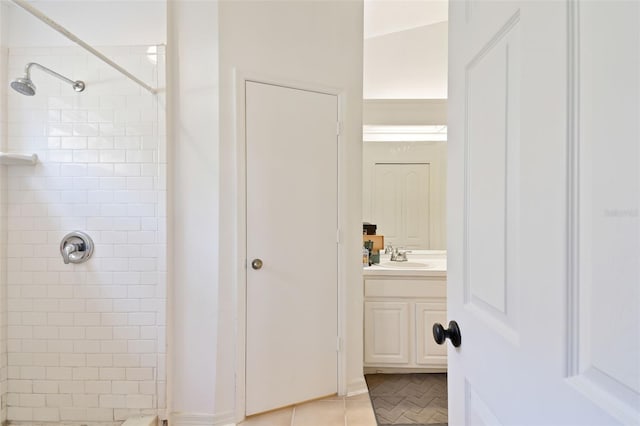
point(420, 263)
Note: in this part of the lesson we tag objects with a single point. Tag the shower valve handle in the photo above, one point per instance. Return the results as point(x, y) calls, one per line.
point(76, 247)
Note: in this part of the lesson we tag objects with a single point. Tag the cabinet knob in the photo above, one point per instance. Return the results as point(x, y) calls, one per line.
point(256, 264)
point(440, 334)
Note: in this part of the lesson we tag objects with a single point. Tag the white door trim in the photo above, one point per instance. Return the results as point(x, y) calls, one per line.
point(581, 374)
point(240, 259)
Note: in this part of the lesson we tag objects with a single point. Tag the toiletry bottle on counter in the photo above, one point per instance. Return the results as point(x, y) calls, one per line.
point(365, 256)
point(368, 245)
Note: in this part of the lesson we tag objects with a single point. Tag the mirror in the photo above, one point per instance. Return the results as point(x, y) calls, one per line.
point(404, 192)
point(404, 184)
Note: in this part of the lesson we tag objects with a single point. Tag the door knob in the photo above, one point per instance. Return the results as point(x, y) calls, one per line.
point(256, 264)
point(452, 333)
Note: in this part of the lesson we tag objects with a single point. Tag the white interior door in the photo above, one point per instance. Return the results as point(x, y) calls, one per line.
point(544, 235)
point(291, 149)
point(401, 203)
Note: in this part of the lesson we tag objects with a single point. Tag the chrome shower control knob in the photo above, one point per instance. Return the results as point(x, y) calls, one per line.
point(76, 247)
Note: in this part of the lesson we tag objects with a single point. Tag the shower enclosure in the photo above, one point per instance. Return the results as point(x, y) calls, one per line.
point(85, 342)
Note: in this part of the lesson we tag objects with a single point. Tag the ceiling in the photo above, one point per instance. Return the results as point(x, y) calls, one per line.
point(405, 49)
point(382, 17)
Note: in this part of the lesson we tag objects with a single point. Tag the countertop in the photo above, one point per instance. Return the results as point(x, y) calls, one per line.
point(434, 261)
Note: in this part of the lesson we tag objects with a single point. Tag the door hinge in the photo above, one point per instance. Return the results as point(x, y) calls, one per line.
point(339, 344)
point(337, 236)
point(338, 128)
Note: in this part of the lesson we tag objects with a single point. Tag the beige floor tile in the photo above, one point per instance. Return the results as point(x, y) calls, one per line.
point(275, 418)
point(333, 398)
point(325, 413)
point(360, 413)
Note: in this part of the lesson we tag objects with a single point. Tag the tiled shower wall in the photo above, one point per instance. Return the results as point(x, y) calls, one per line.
point(3, 227)
point(86, 343)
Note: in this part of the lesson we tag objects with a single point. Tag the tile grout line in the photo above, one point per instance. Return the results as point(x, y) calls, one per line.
point(344, 410)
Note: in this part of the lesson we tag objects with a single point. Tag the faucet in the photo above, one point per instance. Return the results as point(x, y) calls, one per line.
point(399, 255)
point(388, 249)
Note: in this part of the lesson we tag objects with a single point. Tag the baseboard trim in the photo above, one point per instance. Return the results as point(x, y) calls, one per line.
point(200, 419)
point(357, 386)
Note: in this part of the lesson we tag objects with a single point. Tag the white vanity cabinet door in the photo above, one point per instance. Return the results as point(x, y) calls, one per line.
point(428, 352)
point(386, 332)
point(399, 312)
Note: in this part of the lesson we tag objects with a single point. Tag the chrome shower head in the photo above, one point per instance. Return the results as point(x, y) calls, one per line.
point(25, 86)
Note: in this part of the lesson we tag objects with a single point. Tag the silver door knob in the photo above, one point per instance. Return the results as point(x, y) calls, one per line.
point(256, 264)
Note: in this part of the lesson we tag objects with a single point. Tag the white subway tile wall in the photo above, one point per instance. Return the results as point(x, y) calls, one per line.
point(4, 54)
point(86, 343)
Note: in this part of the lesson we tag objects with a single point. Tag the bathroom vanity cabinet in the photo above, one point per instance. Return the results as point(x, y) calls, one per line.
point(400, 307)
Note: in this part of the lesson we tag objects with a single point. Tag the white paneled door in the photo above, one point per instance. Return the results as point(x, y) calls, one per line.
point(291, 157)
point(544, 234)
point(400, 197)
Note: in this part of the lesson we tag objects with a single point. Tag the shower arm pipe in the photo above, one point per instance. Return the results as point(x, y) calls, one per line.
point(62, 30)
point(27, 71)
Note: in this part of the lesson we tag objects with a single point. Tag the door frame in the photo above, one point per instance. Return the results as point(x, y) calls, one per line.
point(240, 259)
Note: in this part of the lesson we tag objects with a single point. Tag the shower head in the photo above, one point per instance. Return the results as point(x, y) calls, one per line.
point(25, 86)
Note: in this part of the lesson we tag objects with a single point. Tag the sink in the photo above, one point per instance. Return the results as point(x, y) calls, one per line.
point(404, 265)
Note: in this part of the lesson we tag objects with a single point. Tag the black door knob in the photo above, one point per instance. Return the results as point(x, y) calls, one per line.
point(452, 333)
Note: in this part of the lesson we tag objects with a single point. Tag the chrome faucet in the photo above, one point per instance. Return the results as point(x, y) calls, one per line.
point(399, 255)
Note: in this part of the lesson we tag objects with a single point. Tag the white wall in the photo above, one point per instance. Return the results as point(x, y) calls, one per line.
point(317, 43)
point(194, 205)
point(404, 112)
point(98, 22)
point(410, 64)
point(389, 16)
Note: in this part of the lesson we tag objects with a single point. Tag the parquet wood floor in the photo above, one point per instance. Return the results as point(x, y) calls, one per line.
point(409, 399)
